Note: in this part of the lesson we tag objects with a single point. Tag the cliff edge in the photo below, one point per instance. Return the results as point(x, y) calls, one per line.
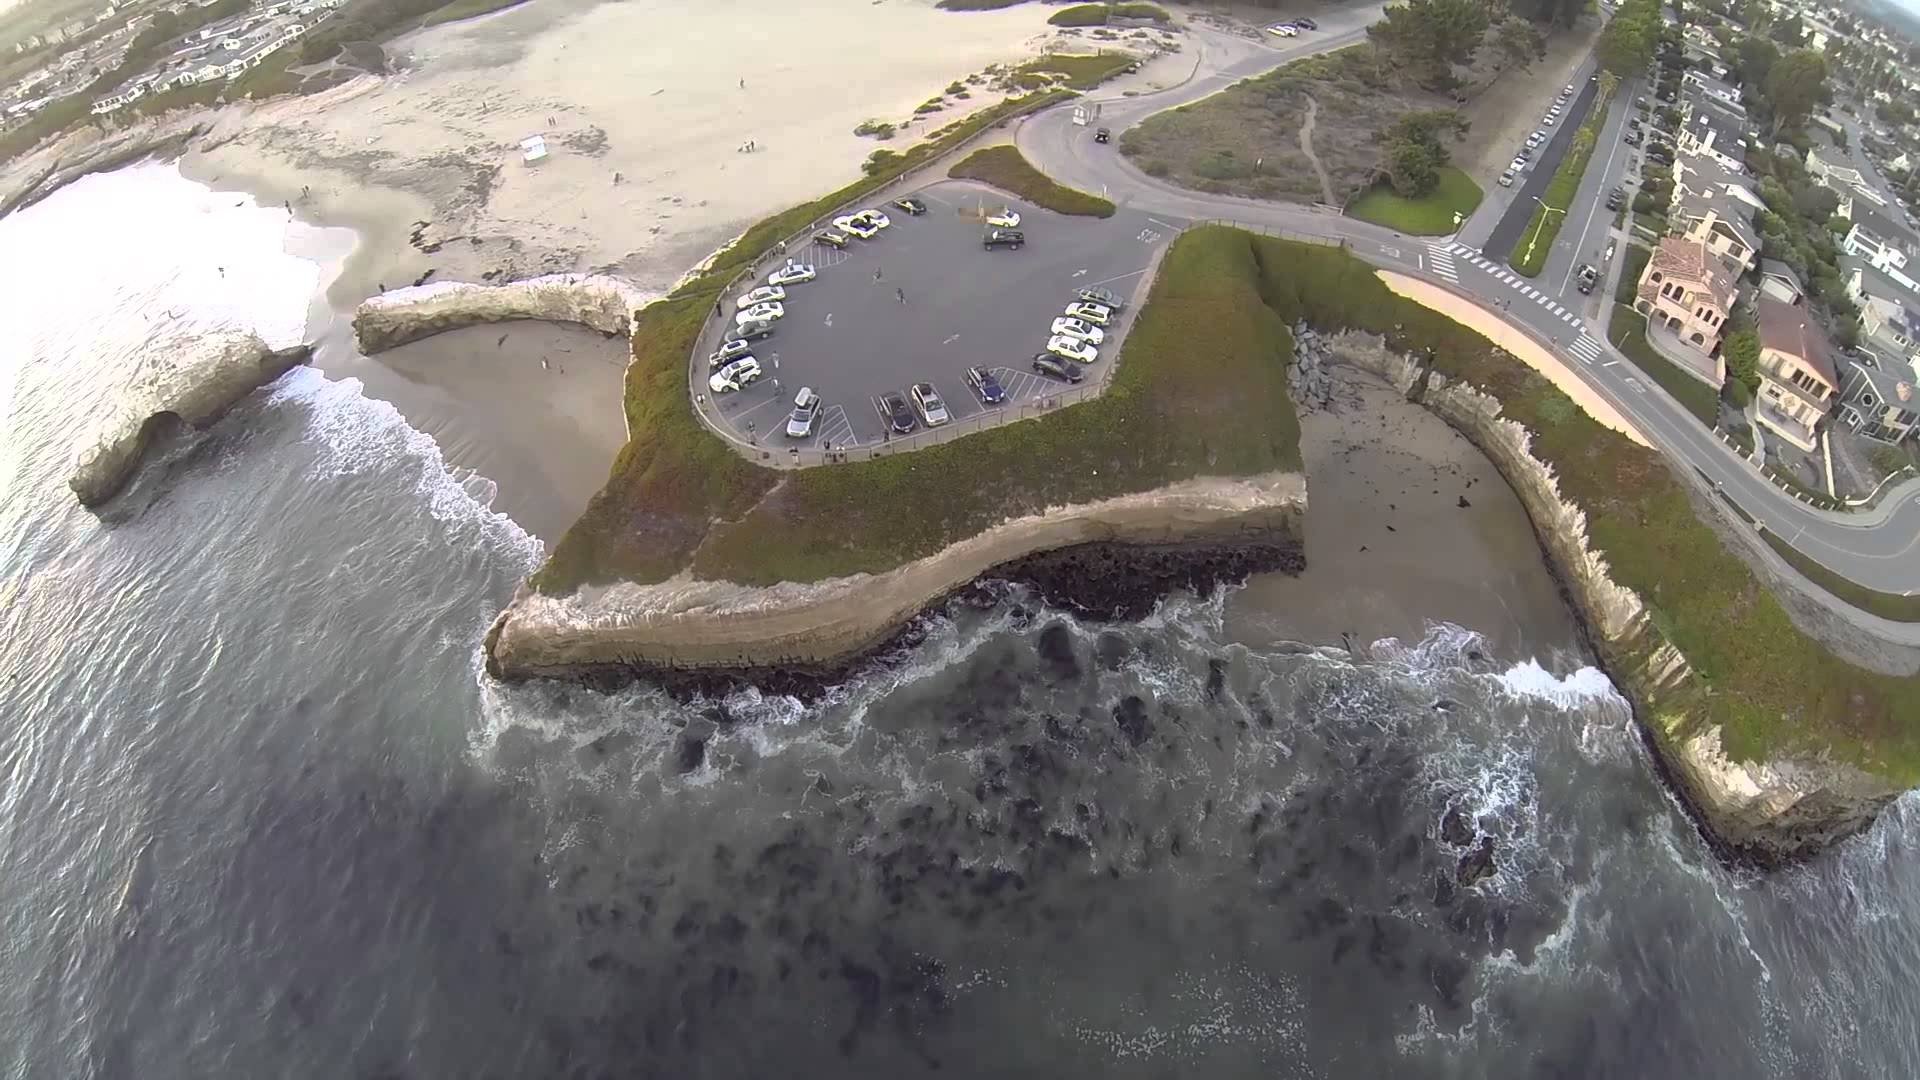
point(684, 624)
point(1774, 810)
point(192, 379)
point(603, 303)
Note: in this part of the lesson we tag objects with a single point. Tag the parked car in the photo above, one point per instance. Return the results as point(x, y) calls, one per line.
point(728, 352)
point(1546, 121)
point(792, 274)
point(985, 386)
point(1097, 314)
point(1506, 178)
point(1077, 328)
point(1525, 153)
point(853, 226)
point(1537, 137)
point(806, 406)
point(895, 413)
point(734, 375)
point(1306, 24)
point(1283, 30)
point(1631, 138)
point(1071, 348)
point(761, 313)
point(1588, 276)
point(753, 330)
point(765, 294)
point(926, 399)
point(873, 218)
point(1012, 238)
point(1616, 199)
point(1005, 219)
point(1106, 298)
point(1047, 364)
point(831, 239)
point(1553, 110)
point(1101, 135)
point(912, 206)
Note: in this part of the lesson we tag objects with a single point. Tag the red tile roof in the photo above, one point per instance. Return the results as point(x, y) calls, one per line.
point(1691, 263)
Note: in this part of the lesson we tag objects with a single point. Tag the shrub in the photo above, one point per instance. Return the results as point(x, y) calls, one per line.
point(1080, 15)
point(878, 129)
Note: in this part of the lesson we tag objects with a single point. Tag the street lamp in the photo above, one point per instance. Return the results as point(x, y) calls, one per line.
point(1544, 211)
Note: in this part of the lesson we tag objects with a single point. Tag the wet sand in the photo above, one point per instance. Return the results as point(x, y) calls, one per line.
point(1390, 549)
point(533, 407)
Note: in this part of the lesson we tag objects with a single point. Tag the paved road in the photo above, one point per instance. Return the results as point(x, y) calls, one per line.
point(1879, 548)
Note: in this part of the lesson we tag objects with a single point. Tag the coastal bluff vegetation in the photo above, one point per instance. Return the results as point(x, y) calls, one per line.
point(1779, 745)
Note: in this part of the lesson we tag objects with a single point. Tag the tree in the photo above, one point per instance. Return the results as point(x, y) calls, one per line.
point(1754, 59)
point(1520, 40)
point(1741, 350)
point(1794, 85)
point(1789, 31)
point(1627, 43)
point(1432, 35)
point(1413, 168)
point(1815, 203)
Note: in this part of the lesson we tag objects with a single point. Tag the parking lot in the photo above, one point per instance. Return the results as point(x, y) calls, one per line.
point(924, 300)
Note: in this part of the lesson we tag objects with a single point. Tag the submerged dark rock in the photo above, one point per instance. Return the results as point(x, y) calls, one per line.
point(1057, 656)
point(1131, 716)
point(1476, 864)
point(1454, 828)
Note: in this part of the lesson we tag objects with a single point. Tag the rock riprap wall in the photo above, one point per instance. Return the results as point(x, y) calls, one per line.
point(603, 303)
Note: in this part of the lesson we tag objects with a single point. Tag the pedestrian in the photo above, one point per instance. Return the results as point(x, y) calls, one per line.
point(902, 294)
point(776, 387)
point(306, 192)
point(743, 84)
point(716, 309)
point(289, 205)
point(876, 273)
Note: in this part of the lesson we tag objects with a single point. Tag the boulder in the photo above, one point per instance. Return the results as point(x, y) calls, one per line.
point(191, 379)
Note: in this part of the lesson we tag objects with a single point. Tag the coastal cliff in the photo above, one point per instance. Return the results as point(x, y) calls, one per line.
point(192, 379)
point(1773, 810)
point(1210, 527)
point(597, 301)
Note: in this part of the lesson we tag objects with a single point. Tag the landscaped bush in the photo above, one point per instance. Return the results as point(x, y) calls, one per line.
point(1080, 15)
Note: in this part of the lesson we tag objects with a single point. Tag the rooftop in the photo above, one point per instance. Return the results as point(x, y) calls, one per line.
point(1881, 228)
point(1730, 213)
point(1892, 387)
point(1689, 260)
point(1788, 328)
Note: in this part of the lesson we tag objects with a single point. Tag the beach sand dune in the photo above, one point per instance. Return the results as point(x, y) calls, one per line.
point(426, 164)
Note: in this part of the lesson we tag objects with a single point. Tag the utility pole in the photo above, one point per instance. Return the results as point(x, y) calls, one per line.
point(1535, 238)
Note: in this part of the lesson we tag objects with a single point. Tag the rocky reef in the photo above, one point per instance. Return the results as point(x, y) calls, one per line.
point(1110, 558)
point(1769, 811)
point(603, 303)
point(185, 379)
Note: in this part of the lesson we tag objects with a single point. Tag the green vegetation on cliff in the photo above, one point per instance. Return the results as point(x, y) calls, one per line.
point(1006, 168)
point(1220, 410)
point(1432, 214)
point(1772, 688)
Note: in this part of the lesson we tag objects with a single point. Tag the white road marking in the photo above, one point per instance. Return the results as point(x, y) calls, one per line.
point(951, 340)
point(1611, 363)
point(829, 318)
point(1160, 223)
point(1082, 272)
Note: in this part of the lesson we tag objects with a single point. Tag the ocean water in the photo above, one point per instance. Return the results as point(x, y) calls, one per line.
point(264, 816)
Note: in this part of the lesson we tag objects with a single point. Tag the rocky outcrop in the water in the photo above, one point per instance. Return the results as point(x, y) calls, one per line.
point(603, 303)
point(192, 379)
point(1772, 810)
point(1106, 557)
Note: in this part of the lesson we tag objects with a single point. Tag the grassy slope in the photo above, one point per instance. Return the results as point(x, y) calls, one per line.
point(1430, 215)
point(1201, 390)
point(1006, 168)
point(1628, 332)
point(1633, 263)
point(1768, 684)
point(1083, 71)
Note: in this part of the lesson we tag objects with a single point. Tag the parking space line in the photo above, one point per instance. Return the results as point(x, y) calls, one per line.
point(1111, 280)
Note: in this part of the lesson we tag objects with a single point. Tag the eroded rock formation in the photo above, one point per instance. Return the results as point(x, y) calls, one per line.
point(192, 379)
point(603, 303)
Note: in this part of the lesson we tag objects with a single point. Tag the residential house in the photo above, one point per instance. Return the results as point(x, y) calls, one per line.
point(1778, 280)
point(1889, 312)
point(1687, 291)
point(1841, 179)
point(1881, 405)
point(1715, 87)
point(1714, 128)
point(1877, 238)
point(1726, 231)
point(1797, 380)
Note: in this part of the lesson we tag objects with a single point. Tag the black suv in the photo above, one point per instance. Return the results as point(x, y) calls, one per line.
point(1012, 238)
point(895, 413)
point(1616, 199)
point(1102, 134)
point(911, 206)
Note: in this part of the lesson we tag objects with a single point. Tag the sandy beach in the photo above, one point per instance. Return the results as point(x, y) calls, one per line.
point(426, 164)
point(1391, 548)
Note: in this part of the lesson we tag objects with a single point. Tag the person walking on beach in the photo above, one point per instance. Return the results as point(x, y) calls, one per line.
point(876, 273)
point(902, 295)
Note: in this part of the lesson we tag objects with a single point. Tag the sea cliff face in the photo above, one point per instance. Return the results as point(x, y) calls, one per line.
point(1166, 537)
point(1772, 810)
point(194, 379)
point(604, 303)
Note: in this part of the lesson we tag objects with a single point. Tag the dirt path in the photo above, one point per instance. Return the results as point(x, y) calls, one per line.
point(1306, 147)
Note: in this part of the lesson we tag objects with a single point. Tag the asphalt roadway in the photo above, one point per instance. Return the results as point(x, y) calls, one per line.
point(923, 301)
point(1878, 548)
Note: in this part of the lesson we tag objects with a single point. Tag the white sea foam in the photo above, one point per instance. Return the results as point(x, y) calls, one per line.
point(1587, 685)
